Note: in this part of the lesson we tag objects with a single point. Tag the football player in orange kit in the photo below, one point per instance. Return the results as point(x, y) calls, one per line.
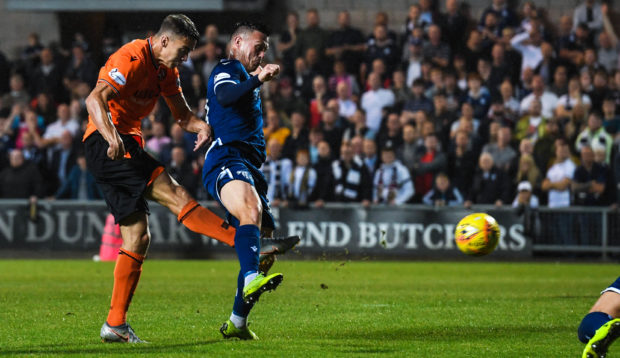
point(128, 87)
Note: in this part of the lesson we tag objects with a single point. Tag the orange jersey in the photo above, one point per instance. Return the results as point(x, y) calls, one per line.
point(138, 81)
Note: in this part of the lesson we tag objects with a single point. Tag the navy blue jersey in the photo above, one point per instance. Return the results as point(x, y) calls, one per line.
point(241, 123)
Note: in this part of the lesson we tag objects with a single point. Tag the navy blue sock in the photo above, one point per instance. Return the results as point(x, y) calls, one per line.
point(590, 323)
point(247, 245)
point(240, 308)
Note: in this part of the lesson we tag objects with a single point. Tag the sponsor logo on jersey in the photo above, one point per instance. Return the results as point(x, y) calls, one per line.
point(145, 94)
point(221, 76)
point(117, 77)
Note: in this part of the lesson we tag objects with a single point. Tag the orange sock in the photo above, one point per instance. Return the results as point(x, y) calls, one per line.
point(205, 222)
point(126, 275)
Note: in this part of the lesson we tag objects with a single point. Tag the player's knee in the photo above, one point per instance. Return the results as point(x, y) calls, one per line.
point(179, 191)
point(252, 213)
point(145, 239)
point(136, 241)
point(182, 196)
point(176, 192)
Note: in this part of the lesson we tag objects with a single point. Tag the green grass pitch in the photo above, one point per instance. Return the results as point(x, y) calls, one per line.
point(323, 308)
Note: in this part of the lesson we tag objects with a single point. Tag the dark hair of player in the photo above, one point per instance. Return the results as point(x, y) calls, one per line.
point(245, 27)
point(179, 24)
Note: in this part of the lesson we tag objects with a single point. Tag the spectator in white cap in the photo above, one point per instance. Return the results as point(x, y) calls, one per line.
point(524, 196)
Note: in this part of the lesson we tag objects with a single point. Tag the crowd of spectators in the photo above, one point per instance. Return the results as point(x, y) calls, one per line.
point(449, 110)
point(444, 109)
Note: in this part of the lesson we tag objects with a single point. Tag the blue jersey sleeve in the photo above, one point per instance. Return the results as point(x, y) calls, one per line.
point(227, 84)
point(230, 93)
point(226, 72)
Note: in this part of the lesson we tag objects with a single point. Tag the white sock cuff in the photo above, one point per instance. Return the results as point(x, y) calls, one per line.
point(238, 321)
point(249, 277)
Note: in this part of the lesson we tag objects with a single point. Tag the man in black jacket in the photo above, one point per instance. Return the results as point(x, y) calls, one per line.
point(21, 180)
point(461, 163)
point(490, 185)
point(323, 190)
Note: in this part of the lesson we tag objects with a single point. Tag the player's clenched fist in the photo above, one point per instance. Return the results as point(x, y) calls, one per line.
point(116, 150)
point(203, 137)
point(268, 72)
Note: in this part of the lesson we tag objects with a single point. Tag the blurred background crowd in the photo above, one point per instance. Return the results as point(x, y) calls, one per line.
point(512, 108)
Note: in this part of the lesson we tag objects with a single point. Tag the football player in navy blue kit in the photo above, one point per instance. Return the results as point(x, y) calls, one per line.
point(231, 171)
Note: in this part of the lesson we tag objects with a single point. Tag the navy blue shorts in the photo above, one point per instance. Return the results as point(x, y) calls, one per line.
point(224, 163)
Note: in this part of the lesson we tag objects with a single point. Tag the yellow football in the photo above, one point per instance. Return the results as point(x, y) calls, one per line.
point(477, 234)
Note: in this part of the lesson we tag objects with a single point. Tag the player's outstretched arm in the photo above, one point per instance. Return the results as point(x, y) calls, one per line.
point(228, 94)
point(97, 106)
point(184, 116)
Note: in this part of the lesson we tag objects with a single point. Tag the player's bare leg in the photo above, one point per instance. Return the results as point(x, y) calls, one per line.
point(243, 202)
point(166, 191)
point(135, 233)
point(608, 302)
point(136, 240)
point(601, 326)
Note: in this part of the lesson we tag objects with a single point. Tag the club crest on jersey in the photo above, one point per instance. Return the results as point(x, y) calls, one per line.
point(117, 77)
point(161, 74)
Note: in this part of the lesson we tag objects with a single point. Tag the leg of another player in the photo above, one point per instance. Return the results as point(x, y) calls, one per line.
point(600, 327)
point(609, 303)
point(136, 239)
point(166, 191)
point(604, 310)
point(271, 246)
point(266, 259)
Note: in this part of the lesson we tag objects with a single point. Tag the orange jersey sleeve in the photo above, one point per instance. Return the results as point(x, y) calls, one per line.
point(138, 81)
